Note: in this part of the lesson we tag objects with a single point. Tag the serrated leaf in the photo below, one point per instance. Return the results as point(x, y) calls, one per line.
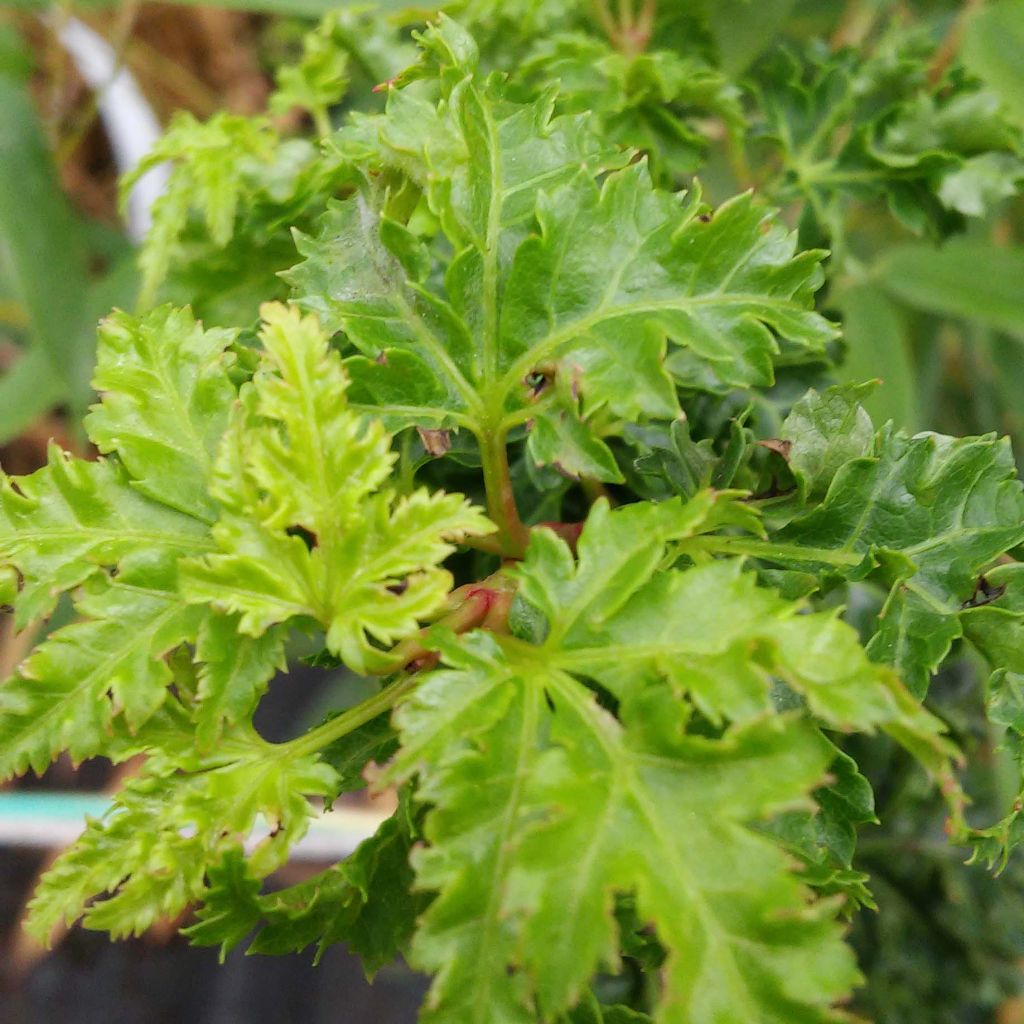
point(365, 901)
point(932, 513)
point(68, 690)
point(211, 162)
point(551, 270)
point(166, 396)
point(710, 631)
point(351, 754)
point(235, 672)
point(906, 145)
point(71, 518)
point(516, 891)
point(148, 855)
point(825, 841)
point(307, 532)
point(320, 77)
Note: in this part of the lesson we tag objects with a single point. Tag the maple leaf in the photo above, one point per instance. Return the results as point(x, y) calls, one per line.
point(307, 534)
point(549, 266)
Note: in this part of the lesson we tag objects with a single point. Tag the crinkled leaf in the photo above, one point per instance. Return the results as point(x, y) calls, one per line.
point(234, 673)
point(932, 513)
point(307, 532)
point(550, 271)
point(65, 694)
point(319, 79)
point(580, 807)
point(365, 901)
point(211, 163)
point(166, 397)
point(824, 431)
point(69, 519)
point(711, 631)
point(149, 854)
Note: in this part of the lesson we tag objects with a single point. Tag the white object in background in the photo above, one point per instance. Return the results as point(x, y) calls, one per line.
point(53, 820)
point(131, 125)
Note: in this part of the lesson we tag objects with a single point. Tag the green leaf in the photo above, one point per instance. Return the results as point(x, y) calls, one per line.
point(936, 281)
point(212, 162)
point(69, 689)
point(307, 532)
point(148, 855)
point(991, 49)
point(825, 841)
point(994, 620)
point(166, 397)
point(537, 266)
point(854, 128)
point(581, 807)
point(366, 902)
point(932, 513)
point(69, 519)
point(319, 79)
point(590, 1011)
point(824, 432)
point(235, 673)
point(612, 619)
point(44, 245)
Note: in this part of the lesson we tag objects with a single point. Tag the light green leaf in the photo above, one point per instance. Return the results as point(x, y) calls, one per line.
point(66, 693)
point(69, 519)
point(612, 619)
point(307, 532)
point(992, 47)
point(581, 807)
point(166, 397)
point(319, 79)
point(234, 674)
point(148, 855)
point(365, 901)
point(211, 167)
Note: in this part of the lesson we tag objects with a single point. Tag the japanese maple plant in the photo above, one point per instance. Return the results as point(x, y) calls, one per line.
point(505, 439)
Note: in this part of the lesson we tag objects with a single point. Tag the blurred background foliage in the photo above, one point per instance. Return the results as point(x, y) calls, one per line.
point(890, 132)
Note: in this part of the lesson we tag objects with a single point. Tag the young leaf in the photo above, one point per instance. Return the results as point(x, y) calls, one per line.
point(166, 397)
point(71, 518)
point(151, 850)
point(211, 162)
point(307, 533)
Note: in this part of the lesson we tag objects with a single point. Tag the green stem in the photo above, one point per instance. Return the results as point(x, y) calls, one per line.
point(322, 122)
point(501, 501)
point(772, 551)
point(323, 735)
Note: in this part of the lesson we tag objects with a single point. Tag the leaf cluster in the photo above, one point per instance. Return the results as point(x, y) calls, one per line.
point(633, 689)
